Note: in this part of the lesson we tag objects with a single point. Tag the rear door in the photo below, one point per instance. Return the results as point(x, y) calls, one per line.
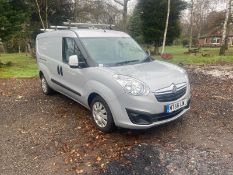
point(49, 58)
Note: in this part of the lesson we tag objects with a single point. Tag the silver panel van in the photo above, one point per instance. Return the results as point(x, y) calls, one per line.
point(109, 73)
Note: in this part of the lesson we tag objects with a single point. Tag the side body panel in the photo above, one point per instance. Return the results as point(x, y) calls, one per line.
point(49, 56)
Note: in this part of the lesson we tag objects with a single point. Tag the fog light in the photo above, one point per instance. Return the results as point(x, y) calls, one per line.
point(134, 115)
point(139, 118)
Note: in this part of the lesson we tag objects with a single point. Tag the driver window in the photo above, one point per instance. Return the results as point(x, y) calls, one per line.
point(70, 48)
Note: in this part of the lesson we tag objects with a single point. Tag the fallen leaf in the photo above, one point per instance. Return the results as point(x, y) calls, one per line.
point(19, 97)
point(79, 171)
point(56, 144)
point(98, 159)
point(102, 165)
point(72, 151)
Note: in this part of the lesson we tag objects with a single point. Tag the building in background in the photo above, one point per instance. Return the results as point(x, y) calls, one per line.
point(214, 39)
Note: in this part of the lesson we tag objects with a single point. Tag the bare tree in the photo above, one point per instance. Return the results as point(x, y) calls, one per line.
point(191, 25)
point(225, 28)
point(46, 14)
point(206, 19)
point(95, 11)
point(39, 13)
point(201, 11)
point(124, 4)
point(166, 27)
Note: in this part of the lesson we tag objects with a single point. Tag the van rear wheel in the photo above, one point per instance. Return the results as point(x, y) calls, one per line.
point(102, 115)
point(45, 87)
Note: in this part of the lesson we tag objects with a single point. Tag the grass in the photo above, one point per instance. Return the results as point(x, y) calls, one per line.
point(21, 66)
point(180, 57)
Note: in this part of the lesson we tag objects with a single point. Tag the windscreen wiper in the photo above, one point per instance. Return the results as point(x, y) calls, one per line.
point(127, 62)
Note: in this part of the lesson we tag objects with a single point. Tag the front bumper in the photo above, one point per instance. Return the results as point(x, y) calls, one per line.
point(142, 118)
point(149, 112)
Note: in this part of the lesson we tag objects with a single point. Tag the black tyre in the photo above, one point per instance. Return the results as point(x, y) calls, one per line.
point(102, 115)
point(45, 87)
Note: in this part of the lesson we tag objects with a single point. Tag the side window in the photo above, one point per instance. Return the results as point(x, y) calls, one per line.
point(70, 48)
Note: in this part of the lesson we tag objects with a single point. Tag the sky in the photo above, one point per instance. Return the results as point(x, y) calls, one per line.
point(220, 6)
point(131, 4)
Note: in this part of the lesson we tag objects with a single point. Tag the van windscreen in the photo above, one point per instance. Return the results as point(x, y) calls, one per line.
point(114, 51)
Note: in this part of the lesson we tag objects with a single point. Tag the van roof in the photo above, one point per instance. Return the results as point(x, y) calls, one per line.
point(99, 33)
point(84, 33)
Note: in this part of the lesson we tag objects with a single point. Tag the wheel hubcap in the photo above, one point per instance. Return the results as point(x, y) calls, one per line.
point(99, 114)
point(44, 85)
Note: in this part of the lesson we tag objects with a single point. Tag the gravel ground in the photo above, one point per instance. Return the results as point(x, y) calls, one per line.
point(54, 135)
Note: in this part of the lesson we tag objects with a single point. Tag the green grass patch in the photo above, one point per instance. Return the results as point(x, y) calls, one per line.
point(213, 55)
point(21, 66)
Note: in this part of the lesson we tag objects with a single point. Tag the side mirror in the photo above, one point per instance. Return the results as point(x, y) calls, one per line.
point(73, 61)
point(148, 52)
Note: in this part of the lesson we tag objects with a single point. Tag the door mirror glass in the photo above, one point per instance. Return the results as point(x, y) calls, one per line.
point(73, 61)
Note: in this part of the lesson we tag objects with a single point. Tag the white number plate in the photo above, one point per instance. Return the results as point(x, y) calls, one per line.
point(175, 106)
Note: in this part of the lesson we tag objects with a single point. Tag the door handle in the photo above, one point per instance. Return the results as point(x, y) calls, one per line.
point(61, 71)
point(58, 70)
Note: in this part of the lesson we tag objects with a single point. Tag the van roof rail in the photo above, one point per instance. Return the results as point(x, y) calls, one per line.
point(88, 25)
point(53, 28)
point(46, 30)
point(69, 25)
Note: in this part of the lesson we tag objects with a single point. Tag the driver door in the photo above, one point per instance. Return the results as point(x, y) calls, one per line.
point(73, 78)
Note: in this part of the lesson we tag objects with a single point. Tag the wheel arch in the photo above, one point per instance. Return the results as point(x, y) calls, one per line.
point(41, 74)
point(91, 97)
point(95, 88)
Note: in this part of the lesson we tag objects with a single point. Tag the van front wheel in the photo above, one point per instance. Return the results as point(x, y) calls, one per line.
point(102, 115)
point(45, 87)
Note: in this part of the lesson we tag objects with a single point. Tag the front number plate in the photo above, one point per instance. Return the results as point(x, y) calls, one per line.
point(175, 106)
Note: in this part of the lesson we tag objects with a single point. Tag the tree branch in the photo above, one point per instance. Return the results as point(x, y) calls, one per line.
point(119, 2)
point(166, 27)
point(39, 13)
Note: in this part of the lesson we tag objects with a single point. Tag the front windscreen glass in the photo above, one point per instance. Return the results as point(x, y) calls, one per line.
point(114, 51)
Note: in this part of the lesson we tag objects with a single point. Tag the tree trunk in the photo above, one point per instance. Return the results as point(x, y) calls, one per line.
point(29, 48)
point(39, 13)
point(191, 26)
point(76, 3)
point(46, 14)
point(156, 49)
point(125, 12)
point(166, 27)
point(3, 47)
point(19, 49)
point(199, 28)
point(225, 27)
point(227, 38)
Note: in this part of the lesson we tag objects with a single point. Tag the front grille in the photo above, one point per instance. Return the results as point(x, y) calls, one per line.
point(171, 96)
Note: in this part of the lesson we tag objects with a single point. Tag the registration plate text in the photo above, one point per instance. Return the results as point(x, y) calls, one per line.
point(175, 106)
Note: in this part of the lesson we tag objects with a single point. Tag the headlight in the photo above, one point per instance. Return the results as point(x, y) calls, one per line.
point(132, 86)
point(187, 79)
point(186, 76)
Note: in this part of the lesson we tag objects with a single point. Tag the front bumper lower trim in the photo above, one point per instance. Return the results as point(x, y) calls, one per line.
point(143, 118)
